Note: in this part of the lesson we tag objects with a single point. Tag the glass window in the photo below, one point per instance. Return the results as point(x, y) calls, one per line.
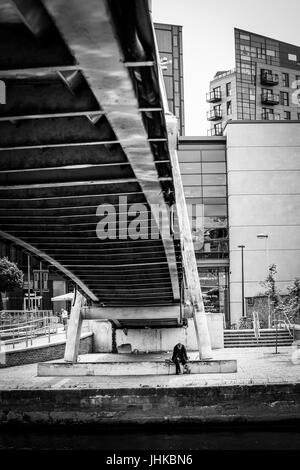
point(192, 191)
point(270, 53)
point(286, 79)
point(191, 180)
point(298, 116)
point(292, 57)
point(164, 40)
point(287, 115)
point(213, 156)
point(213, 180)
point(189, 155)
point(229, 108)
point(213, 167)
point(190, 168)
point(214, 191)
point(215, 200)
point(284, 98)
point(211, 211)
point(246, 37)
point(228, 89)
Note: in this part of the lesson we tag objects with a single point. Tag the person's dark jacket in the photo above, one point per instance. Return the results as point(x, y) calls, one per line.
point(179, 353)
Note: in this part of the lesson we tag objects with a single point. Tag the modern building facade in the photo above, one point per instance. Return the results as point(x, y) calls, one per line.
point(169, 41)
point(247, 186)
point(204, 176)
point(263, 86)
point(263, 168)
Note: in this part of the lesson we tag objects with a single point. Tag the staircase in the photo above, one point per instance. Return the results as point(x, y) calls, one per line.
point(246, 338)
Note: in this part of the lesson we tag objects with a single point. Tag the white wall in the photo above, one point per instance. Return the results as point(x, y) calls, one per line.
point(164, 339)
point(263, 161)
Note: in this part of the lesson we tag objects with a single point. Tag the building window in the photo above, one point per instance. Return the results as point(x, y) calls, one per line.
point(286, 79)
point(298, 116)
point(284, 98)
point(287, 115)
point(217, 92)
point(228, 89)
point(229, 108)
point(298, 81)
point(218, 129)
point(292, 57)
point(217, 110)
point(246, 37)
point(270, 53)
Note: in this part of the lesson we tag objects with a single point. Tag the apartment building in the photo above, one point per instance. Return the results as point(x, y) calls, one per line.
point(263, 86)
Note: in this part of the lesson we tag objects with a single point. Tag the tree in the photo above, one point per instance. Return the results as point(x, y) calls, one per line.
point(11, 277)
point(274, 298)
point(291, 305)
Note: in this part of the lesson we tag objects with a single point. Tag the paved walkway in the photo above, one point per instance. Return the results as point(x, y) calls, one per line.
point(255, 366)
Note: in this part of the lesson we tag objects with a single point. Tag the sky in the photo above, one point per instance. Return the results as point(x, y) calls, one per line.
point(208, 40)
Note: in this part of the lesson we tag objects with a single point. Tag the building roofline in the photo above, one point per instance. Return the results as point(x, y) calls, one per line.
point(191, 139)
point(167, 24)
point(261, 122)
point(266, 37)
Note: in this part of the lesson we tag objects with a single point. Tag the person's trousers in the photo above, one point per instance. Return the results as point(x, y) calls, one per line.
point(177, 361)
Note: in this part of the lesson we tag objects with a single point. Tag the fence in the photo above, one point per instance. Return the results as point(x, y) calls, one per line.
point(19, 326)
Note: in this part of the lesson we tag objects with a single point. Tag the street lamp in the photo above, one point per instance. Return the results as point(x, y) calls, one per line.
point(243, 280)
point(262, 236)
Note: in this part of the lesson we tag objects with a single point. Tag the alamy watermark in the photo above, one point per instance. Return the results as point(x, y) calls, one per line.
point(146, 222)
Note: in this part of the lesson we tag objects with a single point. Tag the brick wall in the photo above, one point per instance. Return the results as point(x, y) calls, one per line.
point(43, 353)
point(198, 405)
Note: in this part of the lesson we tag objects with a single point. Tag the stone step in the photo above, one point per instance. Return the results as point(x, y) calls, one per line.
point(134, 368)
point(249, 338)
point(251, 332)
point(255, 345)
point(229, 338)
point(231, 343)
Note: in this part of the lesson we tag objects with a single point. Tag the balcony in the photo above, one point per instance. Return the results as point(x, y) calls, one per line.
point(267, 116)
point(269, 98)
point(269, 78)
point(214, 96)
point(215, 132)
point(214, 115)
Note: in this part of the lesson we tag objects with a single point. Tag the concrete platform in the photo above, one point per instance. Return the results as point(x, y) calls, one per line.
point(130, 365)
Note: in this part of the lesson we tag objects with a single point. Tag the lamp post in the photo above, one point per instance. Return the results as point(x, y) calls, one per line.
point(262, 236)
point(243, 280)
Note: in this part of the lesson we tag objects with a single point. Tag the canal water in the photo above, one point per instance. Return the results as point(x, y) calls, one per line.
point(278, 438)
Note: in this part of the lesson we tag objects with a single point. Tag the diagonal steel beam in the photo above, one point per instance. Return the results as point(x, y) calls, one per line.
point(88, 31)
point(51, 261)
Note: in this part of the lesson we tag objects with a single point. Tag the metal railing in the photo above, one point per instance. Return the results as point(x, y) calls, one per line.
point(28, 331)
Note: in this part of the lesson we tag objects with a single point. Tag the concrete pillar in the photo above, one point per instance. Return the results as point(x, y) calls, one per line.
point(202, 334)
point(74, 330)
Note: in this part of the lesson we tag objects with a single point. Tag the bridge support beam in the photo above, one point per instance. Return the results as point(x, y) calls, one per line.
point(74, 329)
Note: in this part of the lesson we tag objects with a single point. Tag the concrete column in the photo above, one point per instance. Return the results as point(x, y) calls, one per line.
point(74, 330)
point(202, 334)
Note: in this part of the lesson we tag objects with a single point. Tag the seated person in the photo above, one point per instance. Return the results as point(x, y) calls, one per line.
point(179, 356)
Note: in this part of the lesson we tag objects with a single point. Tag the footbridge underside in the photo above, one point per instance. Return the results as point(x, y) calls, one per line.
point(84, 148)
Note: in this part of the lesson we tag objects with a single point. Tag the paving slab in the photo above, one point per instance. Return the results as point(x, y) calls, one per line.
point(259, 366)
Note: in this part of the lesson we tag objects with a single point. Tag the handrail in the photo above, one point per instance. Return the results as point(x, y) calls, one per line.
point(25, 324)
point(288, 323)
point(26, 331)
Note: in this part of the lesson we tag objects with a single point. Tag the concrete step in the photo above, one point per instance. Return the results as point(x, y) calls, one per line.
point(134, 368)
point(251, 333)
point(246, 338)
point(286, 343)
point(252, 345)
